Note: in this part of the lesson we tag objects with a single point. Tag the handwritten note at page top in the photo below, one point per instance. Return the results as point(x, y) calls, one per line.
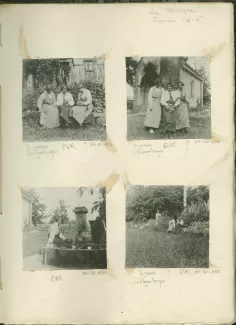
point(117, 159)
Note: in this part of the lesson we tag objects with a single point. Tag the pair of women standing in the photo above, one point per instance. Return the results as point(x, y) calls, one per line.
point(53, 110)
point(175, 111)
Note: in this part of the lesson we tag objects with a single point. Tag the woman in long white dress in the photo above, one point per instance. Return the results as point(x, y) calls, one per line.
point(153, 115)
point(49, 115)
point(182, 122)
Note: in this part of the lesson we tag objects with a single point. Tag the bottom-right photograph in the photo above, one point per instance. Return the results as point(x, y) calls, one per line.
point(167, 226)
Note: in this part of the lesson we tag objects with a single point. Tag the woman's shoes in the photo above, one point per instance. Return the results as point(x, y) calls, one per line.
point(151, 131)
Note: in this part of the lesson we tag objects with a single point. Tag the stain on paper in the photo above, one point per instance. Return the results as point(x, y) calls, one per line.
point(213, 52)
point(22, 45)
point(109, 182)
point(109, 144)
point(125, 180)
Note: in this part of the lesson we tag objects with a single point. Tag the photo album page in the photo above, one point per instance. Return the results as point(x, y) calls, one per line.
point(117, 163)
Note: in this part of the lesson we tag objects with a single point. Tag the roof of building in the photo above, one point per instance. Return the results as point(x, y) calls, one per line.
point(192, 71)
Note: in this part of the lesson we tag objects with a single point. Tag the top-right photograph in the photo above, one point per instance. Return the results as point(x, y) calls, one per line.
point(168, 98)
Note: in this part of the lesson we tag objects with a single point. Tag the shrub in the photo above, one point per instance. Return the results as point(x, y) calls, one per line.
point(195, 212)
point(198, 228)
point(162, 224)
point(29, 100)
point(97, 91)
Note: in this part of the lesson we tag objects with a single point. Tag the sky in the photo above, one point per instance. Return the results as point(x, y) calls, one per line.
point(51, 195)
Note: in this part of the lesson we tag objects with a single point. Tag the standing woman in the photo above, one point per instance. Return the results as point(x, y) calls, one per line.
point(182, 122)
point(170, 100)
point(65, 101)
point(153, 115)
point(49, 115)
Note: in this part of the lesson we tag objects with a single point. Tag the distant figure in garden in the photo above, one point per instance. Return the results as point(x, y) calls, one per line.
point(170, 100)
point(153, 115)
point(171, 227)
point(64, 102)
point(158, 216)
point(55, 237)
point(49, 115)
point(182, 122)
point(179, 226)
point(83, 111)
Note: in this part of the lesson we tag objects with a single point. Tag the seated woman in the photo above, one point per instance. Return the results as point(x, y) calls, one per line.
point(49, 115)
point(171, 227)
point(83, 111)
point(55, 236)
point(65, 101)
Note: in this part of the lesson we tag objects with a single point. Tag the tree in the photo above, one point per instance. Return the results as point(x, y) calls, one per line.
point(60, 212)
point(206, 85)
point(100, 204)
point(38, 208)
point(142, 202)
point(197, 194)
point(131, 66)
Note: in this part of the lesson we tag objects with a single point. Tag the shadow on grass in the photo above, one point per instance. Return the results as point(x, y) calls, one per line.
point(33, 132)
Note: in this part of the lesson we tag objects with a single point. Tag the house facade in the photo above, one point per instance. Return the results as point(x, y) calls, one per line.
point(26, 211)
point(81, 69)
point(170, 69)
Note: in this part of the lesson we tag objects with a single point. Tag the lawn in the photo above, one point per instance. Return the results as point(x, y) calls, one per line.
point(147, 248)
point(33, 132)
point(200, 128)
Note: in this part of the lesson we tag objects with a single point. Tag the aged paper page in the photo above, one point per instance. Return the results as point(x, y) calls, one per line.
point(46, 157)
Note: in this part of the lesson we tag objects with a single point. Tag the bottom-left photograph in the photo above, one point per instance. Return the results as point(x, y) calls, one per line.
point(64, 228)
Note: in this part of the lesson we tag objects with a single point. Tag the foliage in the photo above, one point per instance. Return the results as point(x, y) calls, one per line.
point(150, 75)
point(195, 212)
point(97, 91)
point(100, 204)
point(199, 228)
point(131, 66)
point(143, 201)
point(38, 208)
point(46, 71)
point(60, 212)
point(197, 194)
point(206, 85)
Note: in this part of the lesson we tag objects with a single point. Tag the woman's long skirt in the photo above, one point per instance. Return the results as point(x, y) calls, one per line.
point(170, 120)
point(79, 114)
point(65, 113)
point(153, 115)
point(182, 117)
point(49, 116)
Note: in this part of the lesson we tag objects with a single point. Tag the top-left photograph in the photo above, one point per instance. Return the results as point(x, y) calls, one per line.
point(63, 100)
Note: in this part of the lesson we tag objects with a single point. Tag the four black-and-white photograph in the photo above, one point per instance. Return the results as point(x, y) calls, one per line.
point(64, 228)
point(168, 97)
point(63, 99)
point(167, 226)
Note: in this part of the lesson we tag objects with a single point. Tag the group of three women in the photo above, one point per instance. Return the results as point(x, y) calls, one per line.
point(170, 106)
point(62, 110)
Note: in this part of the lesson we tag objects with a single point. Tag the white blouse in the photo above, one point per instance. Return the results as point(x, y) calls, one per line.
point(54, 230)
point(65, 98)
point(166, 97)
point(43, 96)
